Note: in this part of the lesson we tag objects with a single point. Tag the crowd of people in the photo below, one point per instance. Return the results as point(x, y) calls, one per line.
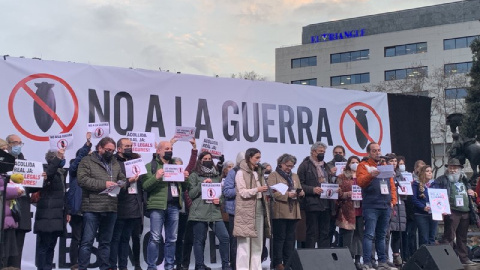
point(248, 212)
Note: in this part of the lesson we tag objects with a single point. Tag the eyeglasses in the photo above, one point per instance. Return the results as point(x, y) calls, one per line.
point(289, 166)
point(16, 143)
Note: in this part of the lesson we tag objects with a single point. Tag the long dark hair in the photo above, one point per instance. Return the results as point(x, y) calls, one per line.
point(249, 154)
point(198, 165)
point(347, 167)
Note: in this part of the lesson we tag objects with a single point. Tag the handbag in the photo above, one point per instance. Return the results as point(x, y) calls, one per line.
point(15, 209)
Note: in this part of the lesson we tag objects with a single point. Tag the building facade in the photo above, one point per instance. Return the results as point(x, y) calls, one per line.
point(386, 49)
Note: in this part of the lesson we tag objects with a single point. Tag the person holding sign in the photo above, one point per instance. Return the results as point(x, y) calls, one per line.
point(379, 196)
point(130, 208)
point(456, 224)
point(251, 210)
point(286, 210)
point(204, 212)
point(427, 227)
point(50, 217)
point(97, 172)
point(163, 206)
point(346, 217)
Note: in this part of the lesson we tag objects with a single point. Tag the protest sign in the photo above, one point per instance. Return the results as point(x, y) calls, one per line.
point(32, 172)
point(61, 141)
point(173, 173)
point(211, 191)
point(356, 193)
point(405, 188)
point(330, 191)
point(184, 133)
point(134, 167)
point(340, 166)
point(142, 142)
point(213, 147)
point(99, 130)
point(439, 203)
point(386, 171)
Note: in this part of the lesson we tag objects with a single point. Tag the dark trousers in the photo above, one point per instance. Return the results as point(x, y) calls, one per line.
point(16, 261)
point(187, 244)
point(347, 239)
point(136, 235)
point(76, 224)
point(456, 227)
point(283, 240)
point(182, 225)
point(119, 247)
point(395, 241)
point(233, 242)
point(411, 238)
point(45, 250)
point(200, 230)
point(318, 226)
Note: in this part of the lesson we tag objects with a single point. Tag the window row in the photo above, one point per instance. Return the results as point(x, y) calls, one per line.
point(399, 74)
point(455, 93)
point(458, 43)
point(304, 62)
point(306, 82)
point(349, 56)
point(406, 49)
point(457, 68)
point(350, 79)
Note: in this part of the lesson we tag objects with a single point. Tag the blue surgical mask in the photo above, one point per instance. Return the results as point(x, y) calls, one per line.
point(16, 150)
point(62, 163)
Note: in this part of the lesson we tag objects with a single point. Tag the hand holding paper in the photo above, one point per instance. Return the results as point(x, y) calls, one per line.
point(280, 187)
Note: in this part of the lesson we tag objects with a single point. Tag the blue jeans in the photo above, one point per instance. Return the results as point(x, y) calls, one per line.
point(427, 229)
point(377, 222)
point(199, 236)
point(158, 218)
point(120, 248)
point(104, 223)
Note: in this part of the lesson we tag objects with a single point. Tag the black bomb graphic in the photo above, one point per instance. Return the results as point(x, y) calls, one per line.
point(362, 119)
point(45, 93)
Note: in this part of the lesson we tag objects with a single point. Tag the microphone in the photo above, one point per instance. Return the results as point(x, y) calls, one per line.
point(261, 166)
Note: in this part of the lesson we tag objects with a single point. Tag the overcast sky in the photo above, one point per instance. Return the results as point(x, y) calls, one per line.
point(192, 36)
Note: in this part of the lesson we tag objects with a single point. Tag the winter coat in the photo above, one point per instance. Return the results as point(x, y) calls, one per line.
point(51, 208)
point(229, 191)
point(307, 172)
point(92, 176)
point(345, 212)
point(25, 224)
point(10, 195)
point(398, 221)
point(200, 209)
point(245, 207)
point(129, 205)
point(74, 193)
point(371, 193)
point(283, 206)
point(419, 202)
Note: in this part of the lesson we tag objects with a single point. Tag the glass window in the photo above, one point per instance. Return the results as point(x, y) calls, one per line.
point(422, 47)
point(449, 44)
point(334, 81)
point(312, 61)
point(304, 62)
point(365, 78)
point(345, 80)
point(411, 48)
point(389, 75)
point(335, 58)
point(460, 43)
point(400, 50)
point(295, 63)
point(455, 93)
point(345, 57)
point(401, 74)
point(450, 68)
point(470, 40)
point(365, 54)
point(389, 52)
point(355, 79)
point(462, 68)
point(355, 56)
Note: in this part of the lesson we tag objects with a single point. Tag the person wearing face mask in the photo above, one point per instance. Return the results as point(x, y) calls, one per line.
point(97, 172)
point(130, 209)
point(51, 216)
point(205, 213)
point(286, 210)
point(346, 218)
point(163, 206)
point(456, 224)
point(427, 227)
point(378, 198)
point(312, 173)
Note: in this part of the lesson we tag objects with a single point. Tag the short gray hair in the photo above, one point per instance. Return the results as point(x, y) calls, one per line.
point(318, 145)
point(286, 158)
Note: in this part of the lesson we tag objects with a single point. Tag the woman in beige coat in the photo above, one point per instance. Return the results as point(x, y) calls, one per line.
point(250, 211)
point(286, 210)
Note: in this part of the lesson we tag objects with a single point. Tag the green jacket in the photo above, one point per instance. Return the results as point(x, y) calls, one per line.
point(200, 210)
point(157, 189)
point(92, 176)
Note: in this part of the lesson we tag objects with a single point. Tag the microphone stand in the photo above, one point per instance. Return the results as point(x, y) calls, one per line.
point(397, 185)
point(270, 206)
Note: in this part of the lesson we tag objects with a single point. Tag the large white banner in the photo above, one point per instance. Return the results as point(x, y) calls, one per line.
point(41, 98)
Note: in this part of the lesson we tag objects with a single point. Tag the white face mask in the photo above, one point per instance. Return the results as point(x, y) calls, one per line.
point(354, 166)
point(401, 167)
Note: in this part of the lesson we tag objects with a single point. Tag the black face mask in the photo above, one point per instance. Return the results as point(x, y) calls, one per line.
point(320, 157)
point(107, 156)
point(208, 163)
point(338, 158)
point(268, 171)
point(168, 155)
point(127, 152)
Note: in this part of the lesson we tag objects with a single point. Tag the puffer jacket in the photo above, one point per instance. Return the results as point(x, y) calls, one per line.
point(10, 195)
point(51, 208)
point(92, 176)
point(229, 191)
point(200, 209)
point(74, 193)
point(129, 205)
point(246, 207)
point(398, 222)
